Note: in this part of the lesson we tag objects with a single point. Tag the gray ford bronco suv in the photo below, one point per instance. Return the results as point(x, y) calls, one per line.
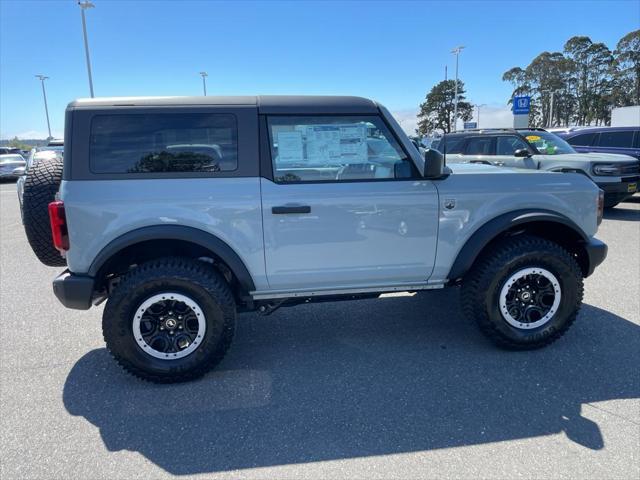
point(181, 212)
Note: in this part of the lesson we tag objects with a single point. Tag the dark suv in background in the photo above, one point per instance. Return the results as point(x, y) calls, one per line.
point(625, 140)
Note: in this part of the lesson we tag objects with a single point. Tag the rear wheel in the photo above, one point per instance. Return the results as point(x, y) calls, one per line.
point(525, 293)
point(170, 320)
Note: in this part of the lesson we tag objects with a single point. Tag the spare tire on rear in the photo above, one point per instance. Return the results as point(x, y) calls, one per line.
point(40, 188)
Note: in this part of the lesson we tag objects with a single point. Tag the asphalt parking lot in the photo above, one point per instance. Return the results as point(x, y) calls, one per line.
point(395, 388)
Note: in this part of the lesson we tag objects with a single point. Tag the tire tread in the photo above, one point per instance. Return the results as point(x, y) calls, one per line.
point(40, 188)
point(487, 267)
point(185, 269)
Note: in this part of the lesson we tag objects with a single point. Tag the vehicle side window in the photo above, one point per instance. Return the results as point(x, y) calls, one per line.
point(335, 148)
point(622, 139)
point(169, 142)
point(479, 146)
point(453, 144)
point(584, 140)
point(509, 145)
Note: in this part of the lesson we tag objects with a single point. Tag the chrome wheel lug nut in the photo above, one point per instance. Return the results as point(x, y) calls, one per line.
point(179, 327)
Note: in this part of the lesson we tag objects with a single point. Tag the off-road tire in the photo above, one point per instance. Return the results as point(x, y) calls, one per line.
point(40, 188)
point(482, 285)
point(193, 278)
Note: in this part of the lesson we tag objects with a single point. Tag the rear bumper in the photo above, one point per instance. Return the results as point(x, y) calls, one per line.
point(74, 291)
point(597, 252)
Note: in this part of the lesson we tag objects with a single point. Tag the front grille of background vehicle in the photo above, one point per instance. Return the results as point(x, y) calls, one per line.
point(632, 169)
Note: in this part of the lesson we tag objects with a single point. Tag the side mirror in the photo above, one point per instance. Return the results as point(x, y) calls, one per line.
point(402, 169)
point(433, 164)
point(522, 153)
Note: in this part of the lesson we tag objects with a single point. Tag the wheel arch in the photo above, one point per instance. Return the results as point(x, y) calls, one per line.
point(543, 223)
point(160, 240)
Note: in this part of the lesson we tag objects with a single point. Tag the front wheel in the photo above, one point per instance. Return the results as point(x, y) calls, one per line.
point(525, 293)
point(169, 320)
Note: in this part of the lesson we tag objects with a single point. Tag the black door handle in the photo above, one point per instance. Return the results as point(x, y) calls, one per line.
point(285, 209)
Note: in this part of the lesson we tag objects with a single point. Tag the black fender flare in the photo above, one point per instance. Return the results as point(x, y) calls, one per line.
point(177, 232)
point(498, 225)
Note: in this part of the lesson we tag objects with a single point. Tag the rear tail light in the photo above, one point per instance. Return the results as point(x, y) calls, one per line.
point(59, 230)
point(600, 206)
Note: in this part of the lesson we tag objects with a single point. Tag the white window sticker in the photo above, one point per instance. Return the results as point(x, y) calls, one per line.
point(323, 143)
point(353, 143)
point(290, 147)
point(336, 144)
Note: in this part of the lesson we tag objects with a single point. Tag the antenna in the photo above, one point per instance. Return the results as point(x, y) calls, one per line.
point(444, 149)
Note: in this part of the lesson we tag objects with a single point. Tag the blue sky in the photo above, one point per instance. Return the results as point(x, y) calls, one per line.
point(390, 51)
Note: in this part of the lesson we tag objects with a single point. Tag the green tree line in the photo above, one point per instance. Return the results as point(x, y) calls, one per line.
point(587, 80)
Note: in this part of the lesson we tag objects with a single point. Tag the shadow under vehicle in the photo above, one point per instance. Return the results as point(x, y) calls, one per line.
point(306, 386)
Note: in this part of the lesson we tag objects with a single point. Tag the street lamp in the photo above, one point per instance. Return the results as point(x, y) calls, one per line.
point(84, 6)
point(42, 78)
point(204, 82)
point(456, 51)
point(478, 117)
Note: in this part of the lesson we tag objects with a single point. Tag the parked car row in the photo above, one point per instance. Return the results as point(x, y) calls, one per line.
point(537, 149)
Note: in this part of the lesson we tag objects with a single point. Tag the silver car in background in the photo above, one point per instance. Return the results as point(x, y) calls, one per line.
point(9, 163)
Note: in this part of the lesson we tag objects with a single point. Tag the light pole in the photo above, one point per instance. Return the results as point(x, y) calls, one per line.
point(42, 78)
point(84, 6)
point(456, 51)
point(204, 82)
point(478, 117)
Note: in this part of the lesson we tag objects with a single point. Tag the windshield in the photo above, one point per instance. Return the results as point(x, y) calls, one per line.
point(52, 148)
point(547, 143)
point(11, 159)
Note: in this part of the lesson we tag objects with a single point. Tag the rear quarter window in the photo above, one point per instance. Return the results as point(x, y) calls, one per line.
point(479, 146)
point(583, 140)
point(623, 139)
point(163, 143)
point(453, 144)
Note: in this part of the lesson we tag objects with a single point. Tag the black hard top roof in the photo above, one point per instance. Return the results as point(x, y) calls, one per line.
point(287, 104)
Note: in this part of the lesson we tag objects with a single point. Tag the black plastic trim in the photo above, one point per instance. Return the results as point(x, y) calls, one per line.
point(266, 166)
point(490, 230)
point(74, 291)
point(597, 252)
point(287, 209)
point(177, 232)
